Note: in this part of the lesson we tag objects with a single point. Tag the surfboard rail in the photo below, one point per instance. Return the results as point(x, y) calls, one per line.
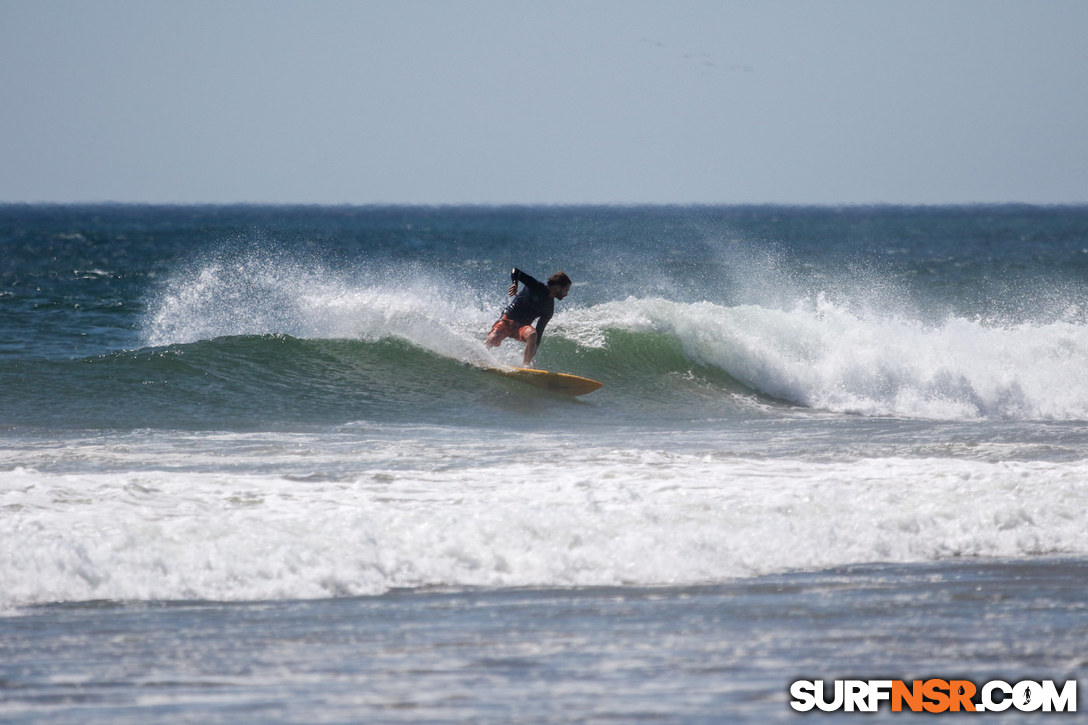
point(564, 383)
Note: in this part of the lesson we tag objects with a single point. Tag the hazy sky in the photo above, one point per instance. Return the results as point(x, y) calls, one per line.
point(552, 101)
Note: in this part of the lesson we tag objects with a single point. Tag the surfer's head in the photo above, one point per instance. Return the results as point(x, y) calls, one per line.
point(559, 285)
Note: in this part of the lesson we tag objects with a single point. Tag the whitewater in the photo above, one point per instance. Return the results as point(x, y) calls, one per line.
point(611, 516)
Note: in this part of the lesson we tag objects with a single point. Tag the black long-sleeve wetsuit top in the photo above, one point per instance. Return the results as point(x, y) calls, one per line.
point(532, 301)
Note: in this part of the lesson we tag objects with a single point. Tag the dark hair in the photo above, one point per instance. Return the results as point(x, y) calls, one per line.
point(560, 279)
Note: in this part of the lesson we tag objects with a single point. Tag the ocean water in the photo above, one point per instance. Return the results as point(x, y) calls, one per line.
point(253, 464)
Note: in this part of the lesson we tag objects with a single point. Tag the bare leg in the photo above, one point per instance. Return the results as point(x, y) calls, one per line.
point(494, 337)
point(530, 352)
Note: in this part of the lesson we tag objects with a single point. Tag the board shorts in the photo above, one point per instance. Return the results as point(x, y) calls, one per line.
point(506, 327)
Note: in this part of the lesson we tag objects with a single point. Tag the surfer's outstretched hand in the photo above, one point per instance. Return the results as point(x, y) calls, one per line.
point(513, 290)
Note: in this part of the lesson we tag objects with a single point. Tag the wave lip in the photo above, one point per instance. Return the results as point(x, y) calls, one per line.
point(823, 356)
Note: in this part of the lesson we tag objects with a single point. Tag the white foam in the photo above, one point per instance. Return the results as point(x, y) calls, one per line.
point(823, 356)
point(604, 517)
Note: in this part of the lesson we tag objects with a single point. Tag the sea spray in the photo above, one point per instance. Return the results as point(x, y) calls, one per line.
point(261, 292)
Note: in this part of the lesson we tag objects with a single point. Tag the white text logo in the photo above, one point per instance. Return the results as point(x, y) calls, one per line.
point(933, 695)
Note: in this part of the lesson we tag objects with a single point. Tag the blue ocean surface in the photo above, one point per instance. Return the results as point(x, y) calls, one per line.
point(255, 463)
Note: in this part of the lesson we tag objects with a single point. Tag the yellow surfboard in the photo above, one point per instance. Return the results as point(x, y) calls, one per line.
point(555, 382)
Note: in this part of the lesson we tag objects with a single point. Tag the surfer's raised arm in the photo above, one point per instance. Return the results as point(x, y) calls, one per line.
point(516, 275)
point(536, 300)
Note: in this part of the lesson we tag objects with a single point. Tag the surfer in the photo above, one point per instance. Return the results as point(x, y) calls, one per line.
point(536, 300)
